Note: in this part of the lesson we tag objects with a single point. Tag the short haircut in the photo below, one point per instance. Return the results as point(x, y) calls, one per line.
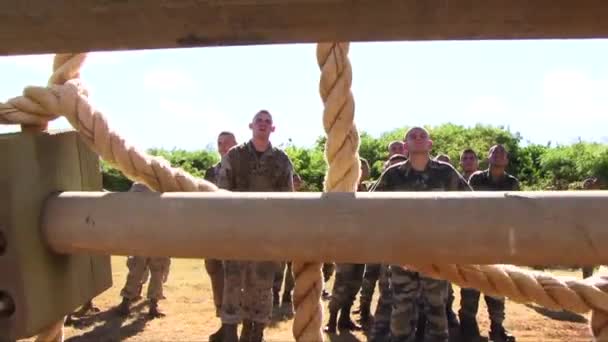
point(468, 151)
point(407, 134)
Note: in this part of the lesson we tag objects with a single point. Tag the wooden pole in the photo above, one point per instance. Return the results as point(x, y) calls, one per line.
point(531, 228)
point(40, 26)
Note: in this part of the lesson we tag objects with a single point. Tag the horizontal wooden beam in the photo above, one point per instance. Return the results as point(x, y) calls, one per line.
point(40, 26)
point(530, 228)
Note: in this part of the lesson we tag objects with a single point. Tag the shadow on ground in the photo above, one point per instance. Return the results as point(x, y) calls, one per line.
point(558, 315)
point(108, 325)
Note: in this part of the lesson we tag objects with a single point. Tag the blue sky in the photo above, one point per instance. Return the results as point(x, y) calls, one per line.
point(546, 90)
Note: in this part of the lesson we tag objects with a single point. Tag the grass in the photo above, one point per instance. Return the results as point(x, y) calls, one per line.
point(190, 315)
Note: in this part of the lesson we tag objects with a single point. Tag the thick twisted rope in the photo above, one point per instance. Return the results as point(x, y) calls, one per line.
point(341, 152)
point(65, 96)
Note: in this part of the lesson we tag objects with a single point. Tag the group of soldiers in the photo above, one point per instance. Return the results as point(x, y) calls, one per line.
point(410, 306)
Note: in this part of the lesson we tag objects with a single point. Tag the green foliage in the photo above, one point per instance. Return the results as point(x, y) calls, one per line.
point(536, 166)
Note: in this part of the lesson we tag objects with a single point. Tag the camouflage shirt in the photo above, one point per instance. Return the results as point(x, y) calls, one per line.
point(482, 181)
point(245, 169)
point(213, 173)
point(437, 176)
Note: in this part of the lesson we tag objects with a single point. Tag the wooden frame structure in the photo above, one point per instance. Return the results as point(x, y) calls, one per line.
point(31, 27)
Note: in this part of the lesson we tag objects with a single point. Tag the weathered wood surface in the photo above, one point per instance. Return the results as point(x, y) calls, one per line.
point(41, 26)
point(533, 228)
point(44, 286)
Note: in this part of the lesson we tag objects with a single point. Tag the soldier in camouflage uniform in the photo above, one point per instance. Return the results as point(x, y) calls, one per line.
point(495, 178)
point(285, 272)
point(214, 267)
point(419, 173)
point(469, 162)
point(348, 282)
point(137, 266)
point(253, 166)
point(372, 271)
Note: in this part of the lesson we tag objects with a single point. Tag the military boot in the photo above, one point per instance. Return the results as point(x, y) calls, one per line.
point(346, 323)
point(229, 333)
point(154, 312)
point(330, 328)
point(124, 308)
point(498, 333)
point(469, 330)
point(257, 332)
point(246, 331)
point(218, 335)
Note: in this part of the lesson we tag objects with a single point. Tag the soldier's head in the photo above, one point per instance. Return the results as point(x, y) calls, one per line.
point(396, 147)
point(443, 158)
point(225, 141)
point(418, 141)
point(498, 156)
point(469, 161)
point(297, 182)
point(364, 170)
point(262, 125)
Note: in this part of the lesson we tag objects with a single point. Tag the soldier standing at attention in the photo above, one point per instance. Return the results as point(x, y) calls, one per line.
point(419, 173)
point(159, 268)
point(259, 167)
point(495, 178)
point(214, 267)
point(348, 282)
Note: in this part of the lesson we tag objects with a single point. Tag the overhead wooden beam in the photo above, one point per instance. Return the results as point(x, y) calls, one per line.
point(533, 228)
point(40, 26)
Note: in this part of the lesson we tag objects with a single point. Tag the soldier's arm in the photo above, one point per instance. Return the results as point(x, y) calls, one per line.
point(209, 174)
point(225, 179)
point(288, 180)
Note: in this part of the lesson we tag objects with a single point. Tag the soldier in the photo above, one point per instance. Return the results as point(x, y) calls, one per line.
point(137, 266)
point(214, 267)
point(418, 173)
point(372, 271)
point(348, 282)
point(328, 271)
point(469, 163)
point(285, 272)
point(252, 166)
point(495, 178)
point(395, 147)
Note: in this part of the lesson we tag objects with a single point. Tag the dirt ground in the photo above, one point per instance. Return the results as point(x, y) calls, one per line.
point(191, 315)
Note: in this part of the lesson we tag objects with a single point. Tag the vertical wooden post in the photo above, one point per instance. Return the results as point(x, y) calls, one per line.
point(43, 286)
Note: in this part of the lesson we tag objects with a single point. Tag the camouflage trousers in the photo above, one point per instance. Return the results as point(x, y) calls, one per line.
point(382, 317)
point(370, 277)
point(215, 269)
point(283, 273)
point(247, 291)
point(411, 292)
point(469, 304)
point(346, 286)
point(138, 266)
